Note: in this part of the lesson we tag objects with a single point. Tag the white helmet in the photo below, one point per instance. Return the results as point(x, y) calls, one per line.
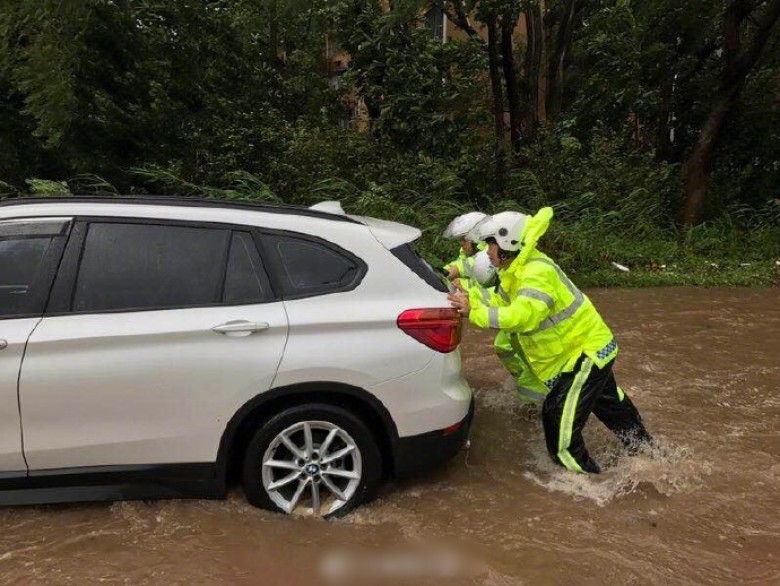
point(506, 227)
point(483, 270)
point(461, 225)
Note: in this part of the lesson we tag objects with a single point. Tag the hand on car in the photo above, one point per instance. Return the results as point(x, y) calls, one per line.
point(460, 300)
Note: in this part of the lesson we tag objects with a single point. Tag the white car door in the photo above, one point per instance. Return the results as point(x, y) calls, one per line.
point(13, 337)
point(157, 334)
point(29, 253)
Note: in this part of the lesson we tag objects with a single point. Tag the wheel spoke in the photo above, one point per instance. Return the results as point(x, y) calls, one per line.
point(284, 481)
point(340, 454)
point(297, 496)
point(328, 440)
point(284, 464)
point(308, 439)
point(292, 447)
point(333, 488)
point(315, 498)
point(342, 473)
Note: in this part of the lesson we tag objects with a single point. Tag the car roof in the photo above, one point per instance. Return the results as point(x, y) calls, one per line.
point(182, 201)
point(312, 221)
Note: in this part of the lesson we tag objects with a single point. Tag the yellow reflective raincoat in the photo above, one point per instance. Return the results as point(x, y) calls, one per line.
point(465, 266)
point(548, 321)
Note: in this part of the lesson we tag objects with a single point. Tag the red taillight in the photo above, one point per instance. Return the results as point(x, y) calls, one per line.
point(452, 428)
point(436, 328)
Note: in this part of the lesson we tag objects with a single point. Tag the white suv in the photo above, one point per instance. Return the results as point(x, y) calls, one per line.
point(158, 347)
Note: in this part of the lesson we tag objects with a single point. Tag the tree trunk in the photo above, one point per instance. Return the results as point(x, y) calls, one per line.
point(273, 33)
point(541, 73)
point(498, 103)
point(558, 59)
point(510, 76)
point(696, 169)
point(533, 67)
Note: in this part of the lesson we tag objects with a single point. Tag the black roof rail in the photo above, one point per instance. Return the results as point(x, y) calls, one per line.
point(184, 201)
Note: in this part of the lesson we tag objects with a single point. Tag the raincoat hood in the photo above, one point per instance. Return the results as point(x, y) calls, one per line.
point(535, 228)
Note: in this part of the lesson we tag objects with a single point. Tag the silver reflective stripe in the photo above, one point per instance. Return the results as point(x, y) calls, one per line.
point(485, 296)
point(566, 425)
point(502, 294)
point(579, 299)
point(493, 317)
point(538, 295)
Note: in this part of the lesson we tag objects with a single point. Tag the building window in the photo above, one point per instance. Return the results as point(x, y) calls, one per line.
point(434, 20)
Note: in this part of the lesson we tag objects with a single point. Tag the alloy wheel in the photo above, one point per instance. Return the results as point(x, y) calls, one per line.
point(312, 468)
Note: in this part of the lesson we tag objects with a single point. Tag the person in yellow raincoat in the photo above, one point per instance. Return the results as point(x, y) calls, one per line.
point(555, 334)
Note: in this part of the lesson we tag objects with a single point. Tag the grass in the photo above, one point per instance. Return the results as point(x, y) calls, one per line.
point(719, 254)
point(702, 274)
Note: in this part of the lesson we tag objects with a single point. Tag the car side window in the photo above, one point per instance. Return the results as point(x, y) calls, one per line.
point(25, 274)
point(310, 267)
point(245, 280)
point(134, 266)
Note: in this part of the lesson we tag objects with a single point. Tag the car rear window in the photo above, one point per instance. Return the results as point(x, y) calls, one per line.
point(308, 266)
point(407, 255)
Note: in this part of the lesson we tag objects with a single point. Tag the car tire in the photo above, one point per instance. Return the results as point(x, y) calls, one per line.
point(343, 466)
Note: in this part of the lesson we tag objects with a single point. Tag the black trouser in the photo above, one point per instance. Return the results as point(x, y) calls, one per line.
point(568, 405)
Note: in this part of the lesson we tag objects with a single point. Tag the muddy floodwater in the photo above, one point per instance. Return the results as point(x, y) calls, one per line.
point(702, 366)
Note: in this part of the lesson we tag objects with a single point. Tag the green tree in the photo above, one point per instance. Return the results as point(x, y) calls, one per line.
point(201, 87)
point(652, 72)
point(420, 94)
point(747, 27)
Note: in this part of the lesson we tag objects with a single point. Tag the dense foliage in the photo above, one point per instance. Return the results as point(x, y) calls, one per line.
point(603, 105)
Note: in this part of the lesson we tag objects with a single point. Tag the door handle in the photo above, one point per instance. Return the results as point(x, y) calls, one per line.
point(237, 328)
point(3, 344)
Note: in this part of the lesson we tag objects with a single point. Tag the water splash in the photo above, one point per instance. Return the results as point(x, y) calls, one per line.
point(386, 513)
point(666, 469)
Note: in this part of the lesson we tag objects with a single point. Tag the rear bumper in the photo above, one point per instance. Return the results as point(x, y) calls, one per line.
point(419, 453)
